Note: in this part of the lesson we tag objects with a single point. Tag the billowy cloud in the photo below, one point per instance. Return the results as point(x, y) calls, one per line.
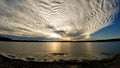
point(64, 19)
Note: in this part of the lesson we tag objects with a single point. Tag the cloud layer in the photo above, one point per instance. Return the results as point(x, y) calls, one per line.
point(65, 19)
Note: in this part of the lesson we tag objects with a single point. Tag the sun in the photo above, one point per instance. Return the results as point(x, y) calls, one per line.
point(55, 35)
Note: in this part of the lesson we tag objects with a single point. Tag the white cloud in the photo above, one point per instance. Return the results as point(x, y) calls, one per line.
point(73, 19)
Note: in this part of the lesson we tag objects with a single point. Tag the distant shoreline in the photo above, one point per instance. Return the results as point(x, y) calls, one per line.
point(12, 40)
point(17, 63)
point(117, 40)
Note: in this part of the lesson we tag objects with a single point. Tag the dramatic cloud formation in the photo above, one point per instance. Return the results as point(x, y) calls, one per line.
point(64, 19)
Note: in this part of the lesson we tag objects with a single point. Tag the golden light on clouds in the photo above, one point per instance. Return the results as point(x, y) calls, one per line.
point(64, 19)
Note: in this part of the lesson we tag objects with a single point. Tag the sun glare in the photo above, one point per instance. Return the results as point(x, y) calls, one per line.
point(55, 36)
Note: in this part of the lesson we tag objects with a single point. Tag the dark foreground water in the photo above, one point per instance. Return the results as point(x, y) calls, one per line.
point(60, 50)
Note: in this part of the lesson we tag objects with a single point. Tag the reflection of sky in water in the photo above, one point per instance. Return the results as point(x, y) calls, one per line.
point(73, 49)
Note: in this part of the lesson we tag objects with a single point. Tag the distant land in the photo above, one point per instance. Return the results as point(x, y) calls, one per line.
point(2, 38)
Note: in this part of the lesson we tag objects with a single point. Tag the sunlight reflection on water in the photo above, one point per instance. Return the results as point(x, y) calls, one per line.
point(61, 50)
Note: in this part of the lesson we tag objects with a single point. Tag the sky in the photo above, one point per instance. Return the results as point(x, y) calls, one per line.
point(60, 19)
point(112, 31)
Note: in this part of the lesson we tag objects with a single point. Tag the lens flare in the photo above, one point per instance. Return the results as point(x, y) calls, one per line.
point(64, 19)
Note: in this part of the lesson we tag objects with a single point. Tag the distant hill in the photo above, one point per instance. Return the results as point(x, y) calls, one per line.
point(2, 38)
point(5, 39)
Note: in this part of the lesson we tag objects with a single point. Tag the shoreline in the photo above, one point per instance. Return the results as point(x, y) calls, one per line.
point(110, 40)
point(6, 39)
point(113, 62)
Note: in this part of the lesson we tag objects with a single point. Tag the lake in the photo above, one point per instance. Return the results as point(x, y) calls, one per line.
point(61, 50)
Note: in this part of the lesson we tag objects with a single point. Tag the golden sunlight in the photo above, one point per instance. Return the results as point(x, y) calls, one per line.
point(55, 36)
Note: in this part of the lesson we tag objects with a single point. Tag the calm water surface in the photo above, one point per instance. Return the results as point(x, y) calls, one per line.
point(73, 49)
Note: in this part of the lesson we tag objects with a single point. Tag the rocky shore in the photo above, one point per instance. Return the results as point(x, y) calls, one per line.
point(114, 62)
